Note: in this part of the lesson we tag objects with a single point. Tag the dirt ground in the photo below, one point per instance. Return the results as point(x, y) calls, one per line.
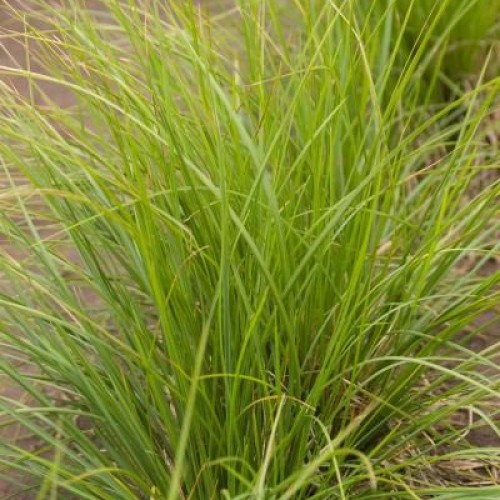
point(12, 53)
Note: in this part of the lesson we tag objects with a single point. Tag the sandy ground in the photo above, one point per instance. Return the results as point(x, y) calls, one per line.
point(13, 53)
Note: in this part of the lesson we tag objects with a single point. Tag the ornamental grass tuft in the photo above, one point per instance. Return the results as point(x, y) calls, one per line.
point(234, 266)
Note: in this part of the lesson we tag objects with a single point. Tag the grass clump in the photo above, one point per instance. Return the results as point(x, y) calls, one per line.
point(239, 256)
point(469, 31)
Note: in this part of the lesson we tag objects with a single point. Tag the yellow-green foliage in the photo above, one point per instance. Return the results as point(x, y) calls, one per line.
point(239, 253)
point(468, 27)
